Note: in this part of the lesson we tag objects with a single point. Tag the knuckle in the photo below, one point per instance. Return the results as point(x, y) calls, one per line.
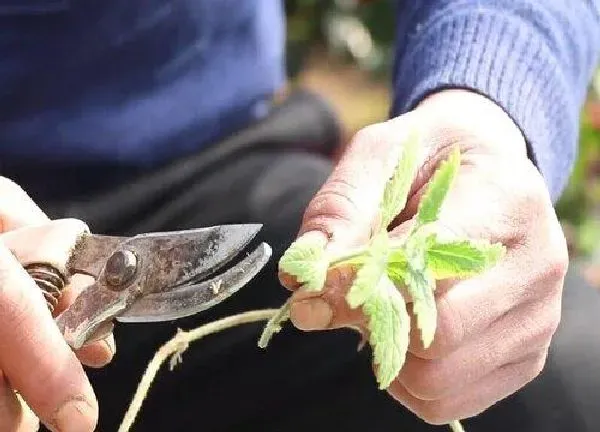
point(558, 264)
point(436, 413)
point(16, 206)
point(332, 204)
point(525, 188)
point(369, 135)
point(9, 186)
point(552, 321)
point(426, 379)
point(549, 273)
point(533, 367)
point(538, 324)
point(542, 334)
point(526, 206)
point(342, 204)
point(449, 333)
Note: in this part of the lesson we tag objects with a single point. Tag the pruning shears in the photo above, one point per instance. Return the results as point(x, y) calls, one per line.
point(151, 277)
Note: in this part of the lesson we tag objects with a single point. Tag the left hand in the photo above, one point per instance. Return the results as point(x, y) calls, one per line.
point(493, 330)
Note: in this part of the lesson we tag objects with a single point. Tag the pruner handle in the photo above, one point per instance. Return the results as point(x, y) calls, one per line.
point(44, 252)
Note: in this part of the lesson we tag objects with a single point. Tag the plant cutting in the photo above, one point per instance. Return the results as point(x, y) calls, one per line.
point(389, 271)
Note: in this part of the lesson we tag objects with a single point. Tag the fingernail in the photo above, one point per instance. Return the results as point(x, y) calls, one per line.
point(107, 356)
point(76, 415)
point(110, 345)
point(311, 314)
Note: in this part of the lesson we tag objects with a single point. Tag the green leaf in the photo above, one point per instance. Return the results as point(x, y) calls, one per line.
point(420, 284)
point(369, 274)
point(397, 256)
point(435, 193)
point(306, 260)
point(464, 258)
point(398, 187)
point(352, 259)
point(389, 330)
point(397, 265)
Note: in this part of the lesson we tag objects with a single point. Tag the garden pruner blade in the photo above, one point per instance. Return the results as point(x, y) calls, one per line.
point(156, 276)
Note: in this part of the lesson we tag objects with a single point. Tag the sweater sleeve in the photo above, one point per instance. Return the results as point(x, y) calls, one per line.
point(534, 58)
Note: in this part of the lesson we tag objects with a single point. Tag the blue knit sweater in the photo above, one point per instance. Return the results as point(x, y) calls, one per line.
point(116, 81)
point(532, 57)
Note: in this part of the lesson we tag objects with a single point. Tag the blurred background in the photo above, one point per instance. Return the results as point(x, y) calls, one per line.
point(342, 49)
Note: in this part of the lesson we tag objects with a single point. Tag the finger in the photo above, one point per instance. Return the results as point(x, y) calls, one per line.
point(96, 354)
point(517, 334)
point(35, 357)
point(516, 215)
point(327, 309)
point(288, 281)
point(15, 415)
point(17, 209)
point(476, 398)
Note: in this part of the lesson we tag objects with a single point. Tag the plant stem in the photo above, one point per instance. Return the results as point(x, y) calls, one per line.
point(274, 324)
point(344, 258)
point(456, 426)
point(351, 255)
point(176, 346)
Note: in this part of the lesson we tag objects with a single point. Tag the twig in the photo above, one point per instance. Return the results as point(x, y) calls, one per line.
point(176, 346)
point(456, 426)
point(274, 324)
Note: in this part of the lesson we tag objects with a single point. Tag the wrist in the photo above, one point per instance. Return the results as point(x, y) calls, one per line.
point(479, 119)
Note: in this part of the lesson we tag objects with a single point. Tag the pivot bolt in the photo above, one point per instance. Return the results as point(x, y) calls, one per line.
point(120, 269)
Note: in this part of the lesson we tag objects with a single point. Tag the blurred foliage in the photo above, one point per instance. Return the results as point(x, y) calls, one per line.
point(362, 33)
point(579, 206)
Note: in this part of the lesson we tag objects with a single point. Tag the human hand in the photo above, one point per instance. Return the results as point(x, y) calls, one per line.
point(35, 360)
point(494, 330)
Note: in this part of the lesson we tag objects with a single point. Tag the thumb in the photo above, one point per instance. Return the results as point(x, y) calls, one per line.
point(344, 212)
point(346, 208)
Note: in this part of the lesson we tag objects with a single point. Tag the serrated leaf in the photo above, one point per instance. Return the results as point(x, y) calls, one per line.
point(437, 188)
point(369, 274)
point(389, 330)
point(306, 260)
point(460, 259)
point(354, 260)
point(397, 265)
point(397, 188)
point(420, 283)
point(397, 255)
point(421, 286)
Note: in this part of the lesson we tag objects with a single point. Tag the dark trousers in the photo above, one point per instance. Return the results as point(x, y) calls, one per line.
point(303, 381)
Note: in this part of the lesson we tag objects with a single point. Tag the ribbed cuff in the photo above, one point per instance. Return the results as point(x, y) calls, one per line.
point(504, 58)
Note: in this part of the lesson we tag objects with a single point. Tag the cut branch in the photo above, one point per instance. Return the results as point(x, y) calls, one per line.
point(175, 347)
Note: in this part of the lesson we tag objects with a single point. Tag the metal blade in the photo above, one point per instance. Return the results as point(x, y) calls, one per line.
point(171, 259)
point(189, 300)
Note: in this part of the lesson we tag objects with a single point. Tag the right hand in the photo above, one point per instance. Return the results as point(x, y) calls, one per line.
point(35, 360)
